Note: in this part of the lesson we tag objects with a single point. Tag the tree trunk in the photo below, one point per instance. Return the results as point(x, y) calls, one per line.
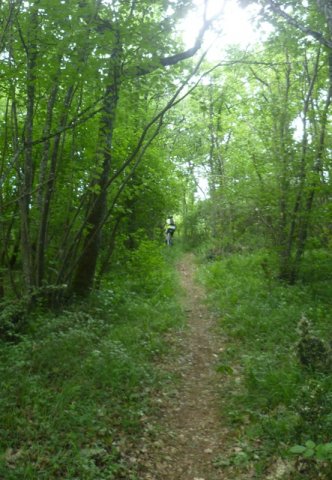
point(85, 272)
point(317, 169)
point(28, 167)
point(49, 187)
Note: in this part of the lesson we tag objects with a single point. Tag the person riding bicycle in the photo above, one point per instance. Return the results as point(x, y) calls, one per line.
point(169, 229)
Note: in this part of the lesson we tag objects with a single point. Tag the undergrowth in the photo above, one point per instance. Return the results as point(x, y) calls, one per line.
point(75, 388)
point(274, 400)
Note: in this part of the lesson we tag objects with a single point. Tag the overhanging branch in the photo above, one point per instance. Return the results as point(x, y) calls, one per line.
point(275, 7)
point(154, 64)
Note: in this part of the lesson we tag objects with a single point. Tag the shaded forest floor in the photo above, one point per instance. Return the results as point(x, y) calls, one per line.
point(121, 387)
point(191, 437)
point(233, 407)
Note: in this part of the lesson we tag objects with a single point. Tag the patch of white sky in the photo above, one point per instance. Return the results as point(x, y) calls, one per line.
point(234, 25)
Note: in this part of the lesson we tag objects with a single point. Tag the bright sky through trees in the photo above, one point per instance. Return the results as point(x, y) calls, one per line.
point(235, 26)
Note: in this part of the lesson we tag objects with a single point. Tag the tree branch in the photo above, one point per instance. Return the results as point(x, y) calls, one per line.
point(74, 122)
point(156, 63)
point(275, 7)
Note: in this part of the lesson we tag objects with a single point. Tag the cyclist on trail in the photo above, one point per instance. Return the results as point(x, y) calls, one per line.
point(170, 228)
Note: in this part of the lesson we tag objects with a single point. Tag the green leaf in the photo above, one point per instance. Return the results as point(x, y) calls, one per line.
point(297, 449)
point(309, 453)
point(324, 451)
point(310, 444)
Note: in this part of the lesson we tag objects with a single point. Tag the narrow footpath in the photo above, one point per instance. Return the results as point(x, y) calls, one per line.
point(192, 437)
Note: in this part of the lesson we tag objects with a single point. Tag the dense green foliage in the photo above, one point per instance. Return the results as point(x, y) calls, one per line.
point(83, 99)
point(76, 388)
point(107, 126)
point(264, 139)
point(275, 397)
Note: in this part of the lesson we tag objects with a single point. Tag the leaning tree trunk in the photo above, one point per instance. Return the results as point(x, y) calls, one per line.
point(28, 167)
point(85, 272)
point(282, 138)
point(83, 277)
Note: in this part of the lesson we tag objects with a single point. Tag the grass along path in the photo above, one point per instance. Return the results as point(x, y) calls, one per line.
point(191, 435)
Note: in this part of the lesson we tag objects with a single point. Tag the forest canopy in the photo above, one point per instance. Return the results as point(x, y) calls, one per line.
point(106, 118)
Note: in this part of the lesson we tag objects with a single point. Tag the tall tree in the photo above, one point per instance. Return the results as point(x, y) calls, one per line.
point(70, 74)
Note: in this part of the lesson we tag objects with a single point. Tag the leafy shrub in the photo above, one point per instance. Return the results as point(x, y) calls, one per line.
point(314, 459)
point(277, 400)
point(13, 318)
point(75, 389)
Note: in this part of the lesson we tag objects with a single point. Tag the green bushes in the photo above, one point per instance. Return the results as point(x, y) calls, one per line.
point(279, 400)
point(75, 389)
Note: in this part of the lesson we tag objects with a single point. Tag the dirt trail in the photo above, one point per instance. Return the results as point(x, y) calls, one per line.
point(192, 435)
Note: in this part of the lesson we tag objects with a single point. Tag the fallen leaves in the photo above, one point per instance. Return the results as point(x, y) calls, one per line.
point(11, 456)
